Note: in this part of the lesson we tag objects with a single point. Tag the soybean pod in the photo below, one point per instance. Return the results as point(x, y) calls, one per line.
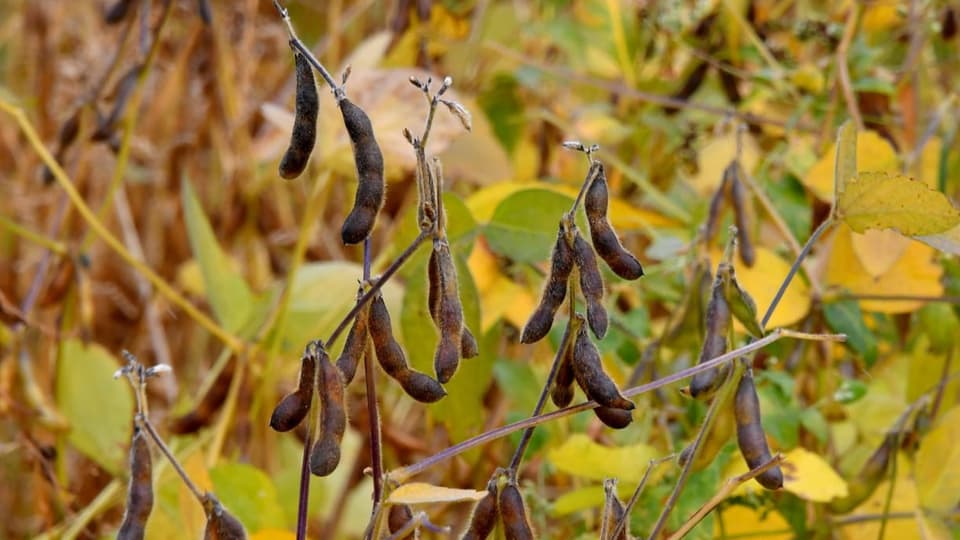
point(139, 490)
point(398, 516)
point(468, 343)
point(449, 314)
point(306, 109)
point(325, 455)
point(605, 241)
point(221, 525)
point(355, 345)
point(514, 515)
point(554, 292)
point(588, 371)
point(591, 284)
point(613, 513)
point(871, 474)
point(484, 516)
point(613, 417)
point(369, 164)
point(750, 436)
point(705, 384)
point(742, 216)
point(562, 391)
point(417, 385)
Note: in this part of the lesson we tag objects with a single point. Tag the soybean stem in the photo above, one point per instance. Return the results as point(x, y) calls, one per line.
point(304, 494)
point(793, 269)
point(376, 448)
point(145, 422)
point(307, 53)
point(404, 473)
point(636, 494)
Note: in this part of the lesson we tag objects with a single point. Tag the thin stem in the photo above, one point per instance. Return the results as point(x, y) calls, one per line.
point(376, 444)
point(718, 401)
point(591, 175)
point(37, 238)
point(843, 70)
point(793, 269)
point(307, 53)
point(721, 495)
point(304, 494)
point(404, 473)
point(145, 422)
point(375, 287)
point(636, 494)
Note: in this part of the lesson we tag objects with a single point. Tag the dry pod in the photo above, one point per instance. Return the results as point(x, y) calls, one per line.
point(512, 513)
point(561, 264)
point(750, 436)
point(484, 516)
point(306, 109)
point(449, 314)
point(613, 417)
point(605, 241)
point(741, 213)
point(369, 163)
point(562, 391)
point(613, 513)
point(417, 385)
point(468, 344)
point(108, 125)
point(355, 346)
point(591, 284)
point(871, 474)
point(398, 517)
point(716, 205)
point(588, 371)
point(705, 384)
point(325, 454)
point(221, 525)
point(293, 408)
point(139, 490)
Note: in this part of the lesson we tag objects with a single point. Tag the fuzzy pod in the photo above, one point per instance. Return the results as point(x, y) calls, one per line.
point(293, 408)
point(398, 516)
point(468, 343)
point(389, 353)
point(221, 525)
point(705, 384)
point(554, 292)
point(355, 345)
point(605, 241)
point(588, 371)
point(591, 285)
point(750, 436)
point(741, 214)
point(369, 163)
point(325, 454)
point(469, 348)
point(306, 109)
point(871, 474)
point(139, 490)
point(449, 315)
point(513, 514)
point(484, 516)
point(106, 126)
point(613, 513)
point(613, 417)
point(562, 392)
point(421, 386)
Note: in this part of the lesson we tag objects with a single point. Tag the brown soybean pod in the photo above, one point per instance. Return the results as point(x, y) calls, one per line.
point(613, 513)
point(750, 436)
point(605, 241)
point(468, 344)
point(588, 371)
point(554, 292)
point(325, 455)
point(613, 417)
point(221, 525)
point(869, 477)
point(449, 315)
point(306, 109)
point(484, 516)
point(293, 408)
point(741, 214)
point(512, 513)
point(398, 516)
point(369, 163)
point(139, 490)
point(562, 392)
point(106, 126)
point(705, 383)
point(591, 285)
point(355, 346)
point(716, 204)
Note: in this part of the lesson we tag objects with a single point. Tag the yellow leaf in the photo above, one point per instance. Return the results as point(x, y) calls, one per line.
point(904, 500)
point(879, 250)
point(809, 77)
point(929, 170)
point(272, 534)
point(809, 477)
point(192, 514)
point(947, 241)
point(738, 520)
point(586, 498)
point(716, 154)
point(881, 17)
point(873, 153)
point(878, 200)
point(762, 281)
point(581, 456)
point(500, 297)
point(421, 493)
point(937, 466)
point(915, 273)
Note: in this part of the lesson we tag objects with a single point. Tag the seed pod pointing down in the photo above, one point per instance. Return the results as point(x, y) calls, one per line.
point(417, 385)
point(750, 437)
point(705, 384)
point(369, 162)
point(468, 344)
point(605, 241)
point(515, 523)
point(561, 264)
point(590, 376)
point(613, 417)
point(325, 455)
point(355, 346)
point(139, 490)
point(221, 525)
point(741, 214)
point(398, 517)
point(304, 135)
point(449, 314)
point(484, 516)
point(869, 477)
point(293, 408)
point(591, 285)
point(562, 391)
point(613, 512)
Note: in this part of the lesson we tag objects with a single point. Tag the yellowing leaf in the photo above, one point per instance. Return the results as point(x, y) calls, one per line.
point(809, 77)
point(762, 281)
point(716, 154)
point(192, 514)
point(581, 456)
point(873, 153)
point(881, 17)
point(739, 520)
point(420, 493)
point(937, 466)
point(904, 500)
point(587, 497)
point(809, 477)
point(878, 250)
point(883, 201)
point(915, 273)
point(500, 297)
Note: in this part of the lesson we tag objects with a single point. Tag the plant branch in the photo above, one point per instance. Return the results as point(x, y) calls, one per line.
point(636, 494)
point(373, 412)
point(50, 244)
point(165, 450)
point(843, 70)
point(794, 268)
point(297, 44)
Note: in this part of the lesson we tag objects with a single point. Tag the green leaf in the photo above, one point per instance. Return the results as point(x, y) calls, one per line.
point(524, 225)
point(814, 421)
point(845, 167)
point(249, 494)
point(940, 323)
point(845, 317)
point(850, 391)
point(228, 294)
point(99, 408)
point(879, 200)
